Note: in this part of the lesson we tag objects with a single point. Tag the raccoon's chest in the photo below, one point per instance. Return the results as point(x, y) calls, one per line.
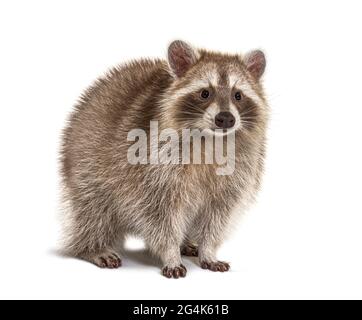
point(207, 185)
point(242, 183)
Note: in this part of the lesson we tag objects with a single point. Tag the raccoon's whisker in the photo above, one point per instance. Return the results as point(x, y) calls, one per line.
point(247, 123)
point(194, 111)
point(184, 118)
point(191, 106)
point(191, 113)
point(191, 117)
point(248, 118)
point(246, 112)
point(188, 107)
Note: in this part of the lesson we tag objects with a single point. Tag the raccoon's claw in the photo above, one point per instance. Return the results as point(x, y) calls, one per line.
point(217, 266)
point(109, 260)
point(174, 272)
point(190, 250)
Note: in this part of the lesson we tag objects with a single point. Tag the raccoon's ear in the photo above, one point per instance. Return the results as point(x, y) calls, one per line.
point(181, 57)
point(255, 63)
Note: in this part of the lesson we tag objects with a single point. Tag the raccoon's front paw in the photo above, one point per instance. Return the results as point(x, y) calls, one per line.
point(190, 250)
point(174, 272)
point(107, 259)
point(216, 266)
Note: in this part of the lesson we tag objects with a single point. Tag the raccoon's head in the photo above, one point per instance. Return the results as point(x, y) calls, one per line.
point(213, 90)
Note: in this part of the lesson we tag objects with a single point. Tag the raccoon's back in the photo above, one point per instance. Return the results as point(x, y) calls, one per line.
point(126, 97)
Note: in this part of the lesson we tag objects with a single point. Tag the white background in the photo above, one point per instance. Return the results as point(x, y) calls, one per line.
point(303, 237)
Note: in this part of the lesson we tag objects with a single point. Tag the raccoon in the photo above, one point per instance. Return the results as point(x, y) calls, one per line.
point(178, 209)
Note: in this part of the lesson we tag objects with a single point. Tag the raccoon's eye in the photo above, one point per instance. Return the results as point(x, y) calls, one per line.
point(238, 95)
point(205, 94)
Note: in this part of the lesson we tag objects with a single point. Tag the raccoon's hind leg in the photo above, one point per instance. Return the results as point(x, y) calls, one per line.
point(94, 236)
point(103, 255)
point(105, 259)
point(189, 249)
point(189, 246)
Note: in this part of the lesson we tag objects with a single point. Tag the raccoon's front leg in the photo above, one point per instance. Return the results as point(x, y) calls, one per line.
point(165, 242)
point(168, 250)
point(212, 227)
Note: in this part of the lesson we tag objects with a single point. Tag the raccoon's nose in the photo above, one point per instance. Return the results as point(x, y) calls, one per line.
point(224, 120)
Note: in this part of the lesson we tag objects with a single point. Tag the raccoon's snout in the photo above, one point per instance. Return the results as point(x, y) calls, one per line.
point(224, 120)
